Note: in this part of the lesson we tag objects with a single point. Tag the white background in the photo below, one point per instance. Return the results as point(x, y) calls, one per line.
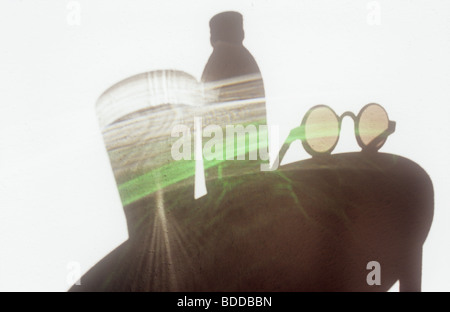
point(58, 199)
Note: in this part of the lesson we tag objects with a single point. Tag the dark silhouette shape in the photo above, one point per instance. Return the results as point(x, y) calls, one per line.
point(234, 88)
point(309, 226)
point(230, 59)
point(313, 225)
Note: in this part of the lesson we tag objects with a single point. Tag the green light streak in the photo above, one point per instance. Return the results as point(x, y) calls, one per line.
point(177, 171)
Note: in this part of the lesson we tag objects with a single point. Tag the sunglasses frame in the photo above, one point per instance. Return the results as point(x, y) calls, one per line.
point(371, 147)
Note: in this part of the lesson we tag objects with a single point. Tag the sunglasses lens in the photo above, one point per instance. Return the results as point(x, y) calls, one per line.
point(321, 129)
point(373, 122)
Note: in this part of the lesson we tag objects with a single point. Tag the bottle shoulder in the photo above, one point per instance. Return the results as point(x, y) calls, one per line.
point(229, 60)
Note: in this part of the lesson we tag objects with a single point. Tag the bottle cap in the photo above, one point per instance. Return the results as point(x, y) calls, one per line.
point(228, 27)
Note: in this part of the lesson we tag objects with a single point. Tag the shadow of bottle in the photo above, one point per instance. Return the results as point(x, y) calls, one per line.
point(234, 94)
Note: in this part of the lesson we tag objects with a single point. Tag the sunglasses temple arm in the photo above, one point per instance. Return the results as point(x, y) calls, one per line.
point(382, 136)
point(293, 135)
point(282, 152)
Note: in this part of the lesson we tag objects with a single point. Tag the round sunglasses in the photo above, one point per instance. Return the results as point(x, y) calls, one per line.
point(321, 127)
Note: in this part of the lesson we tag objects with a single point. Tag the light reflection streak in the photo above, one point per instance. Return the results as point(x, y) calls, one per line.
point(161, 215)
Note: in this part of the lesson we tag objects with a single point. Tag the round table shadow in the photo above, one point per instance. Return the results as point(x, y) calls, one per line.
point(313, 225)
